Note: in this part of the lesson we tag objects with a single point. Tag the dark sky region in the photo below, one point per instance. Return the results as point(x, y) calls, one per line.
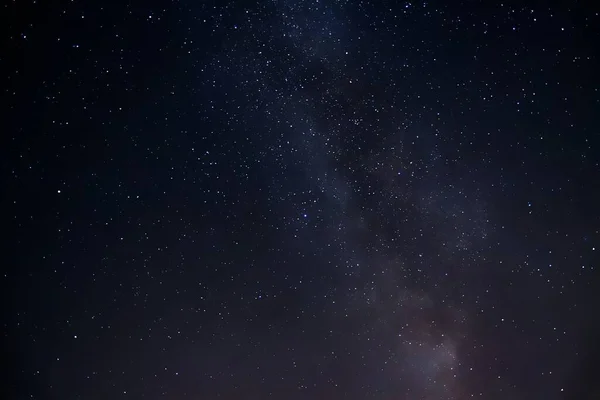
point(291, 200)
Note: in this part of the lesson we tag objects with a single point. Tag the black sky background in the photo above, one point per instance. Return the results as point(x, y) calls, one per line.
point(287, 199)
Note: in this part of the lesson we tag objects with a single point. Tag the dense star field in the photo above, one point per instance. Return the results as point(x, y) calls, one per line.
point(285, 199)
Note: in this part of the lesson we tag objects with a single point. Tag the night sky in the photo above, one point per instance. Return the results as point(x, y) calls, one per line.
point(285, 199)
